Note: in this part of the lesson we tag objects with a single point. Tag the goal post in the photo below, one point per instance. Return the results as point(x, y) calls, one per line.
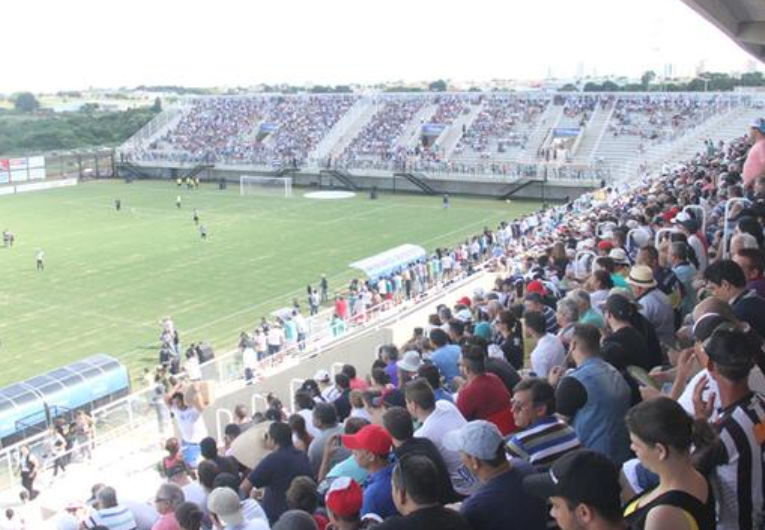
point(274, 186)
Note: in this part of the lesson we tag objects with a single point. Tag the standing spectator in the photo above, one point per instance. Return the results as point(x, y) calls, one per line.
point(324, 286)
point(342, 403)
point(483, 396)
point(500, 502)
point(437, 418)
point(251, 509)
point(535, 302)
point(583, 488)
point(543, 437)
point(109, 513)
point(666, 280)
point(356, 383)
point(169, 498)
point(226, 511)
point(209, 449)
point(661, 435)
point(190, 424)
point(303, 495)
point(654, 304)
point(510, 338)
point(624, 346)
point(371, 447)
point(754, 165)
point(275, 472)
point(29, 467)
point(192, 490)
point(686, 273)
point(567, 315)
point(595, 397)
point(189, 516)
point(328, 391)
point(325, 421)
point(587, 315)
point(549, 350)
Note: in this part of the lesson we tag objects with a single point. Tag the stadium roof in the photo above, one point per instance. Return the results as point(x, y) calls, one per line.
point(742, 20)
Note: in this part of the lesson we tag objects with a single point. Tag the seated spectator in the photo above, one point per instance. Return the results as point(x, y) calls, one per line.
point(300, 436)
point(752, 262)
point(343, 502)
point(583, 487)
point(535, 302)
point(295, 520)
point(727, 282)
point(303, 495)
point(594, 397)
point(206, 473)
point(567, 315)
point(109, 513)
point(415, 492)
point(437, 418)
point(430, 373)
point(483, 396)
point(445, 355)
point(588, 315)
point(654, 304)
point(173, 458)
point(500, 502)
point(510, 339)
point(342, 401)
point(226, 512)
point(685, 272)
point(251, 509)
point(192, 490)
point(398, 422)
point(728, 354)
point(230, 433)
point(543, 438)
point(189, 516)
point(549, 350)
point(599, 285)
point(348, 467)
point(408, 366)
point(275, 472)
point(624, 346)
point(169, 498)
point(666, 280)
point(661, 435)
point(325, 421)
point(209, 448)
point(371, 448)
point(356, 383)
point(329, 392)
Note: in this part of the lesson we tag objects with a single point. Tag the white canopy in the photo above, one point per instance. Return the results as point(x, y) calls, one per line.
point(389, 261)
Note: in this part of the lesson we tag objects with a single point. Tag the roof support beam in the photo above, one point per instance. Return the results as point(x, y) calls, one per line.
point(752, 32)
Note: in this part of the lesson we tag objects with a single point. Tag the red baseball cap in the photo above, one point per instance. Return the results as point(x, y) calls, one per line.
point(535, 286)
point(464, 301)
point(605, 245)
point(344, 497)
point(372, 438)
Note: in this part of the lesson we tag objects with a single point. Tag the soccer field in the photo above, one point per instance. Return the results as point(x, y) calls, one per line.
point(111, 276)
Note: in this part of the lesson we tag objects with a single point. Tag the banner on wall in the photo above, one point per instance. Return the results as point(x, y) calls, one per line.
point(19, 168)
point(5, 171)
point(22, 169)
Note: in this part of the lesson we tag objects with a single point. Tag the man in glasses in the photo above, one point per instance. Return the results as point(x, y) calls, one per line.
point(169, 497)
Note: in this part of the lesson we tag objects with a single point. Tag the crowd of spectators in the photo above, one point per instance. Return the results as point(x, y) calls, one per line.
point(612, 376)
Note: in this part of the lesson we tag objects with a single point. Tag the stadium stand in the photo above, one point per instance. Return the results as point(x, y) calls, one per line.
point(453, 133)
point(651, 288)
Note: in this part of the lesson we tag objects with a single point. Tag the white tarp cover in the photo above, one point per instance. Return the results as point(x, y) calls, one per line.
point(389, 261)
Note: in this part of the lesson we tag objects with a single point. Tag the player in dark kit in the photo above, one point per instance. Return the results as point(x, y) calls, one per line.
point(117, 204)
point(196, 217)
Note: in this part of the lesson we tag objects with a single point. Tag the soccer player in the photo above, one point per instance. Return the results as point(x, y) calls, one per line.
point(117, 204)
point(178, 202)
point(445, 201)
point(40, 258)
point(203, 231)
point(196, 217)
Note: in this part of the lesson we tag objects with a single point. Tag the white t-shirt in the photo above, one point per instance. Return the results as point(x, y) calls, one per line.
point(190, 424)
point(548, 353)
point(249, 358)
point(444, 419)
point(194, 492)
point(756, 383)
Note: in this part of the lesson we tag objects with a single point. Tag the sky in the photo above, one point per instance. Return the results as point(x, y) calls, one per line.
point(78, 44)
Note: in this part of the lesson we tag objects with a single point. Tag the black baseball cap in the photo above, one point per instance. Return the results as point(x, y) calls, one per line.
point(581, 477)
point(732, 347)
point(706, 325)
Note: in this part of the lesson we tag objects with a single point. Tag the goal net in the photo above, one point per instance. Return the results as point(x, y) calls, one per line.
point(274, 186)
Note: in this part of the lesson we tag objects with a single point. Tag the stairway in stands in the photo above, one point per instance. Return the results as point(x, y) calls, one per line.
point(410, 136)
point(350, 129)
point(593, 134)
point(550, 119)
point(451, 136)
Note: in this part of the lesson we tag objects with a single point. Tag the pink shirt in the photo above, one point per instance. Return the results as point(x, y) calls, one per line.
point(166, 522)
point(755, 163)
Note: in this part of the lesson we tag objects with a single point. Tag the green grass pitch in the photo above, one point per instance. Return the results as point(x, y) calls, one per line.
point(111, 276)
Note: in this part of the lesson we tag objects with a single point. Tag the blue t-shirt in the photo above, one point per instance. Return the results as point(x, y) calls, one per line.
point(503, 503)
point(275, 473)
point(446, 359)
point(378, 494)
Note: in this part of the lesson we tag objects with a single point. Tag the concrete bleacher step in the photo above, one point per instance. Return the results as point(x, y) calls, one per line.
point(549, 119)
point(452, 135)
point(354, 128)
point(410, 136)
point(341, 129)
point(593, 134)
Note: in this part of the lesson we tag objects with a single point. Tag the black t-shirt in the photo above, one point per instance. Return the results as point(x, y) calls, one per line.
point(343, 405)
point(434, 518)
point(570, 396)
point(426, 448)
point(275, 473)
point(505, 371)
point(626, 347)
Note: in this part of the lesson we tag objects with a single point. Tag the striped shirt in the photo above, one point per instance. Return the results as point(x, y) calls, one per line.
point(543, 442)
point(115, 518)
point(739, 474)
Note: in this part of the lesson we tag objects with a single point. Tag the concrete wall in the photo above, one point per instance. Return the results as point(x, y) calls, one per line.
point(553, 190)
